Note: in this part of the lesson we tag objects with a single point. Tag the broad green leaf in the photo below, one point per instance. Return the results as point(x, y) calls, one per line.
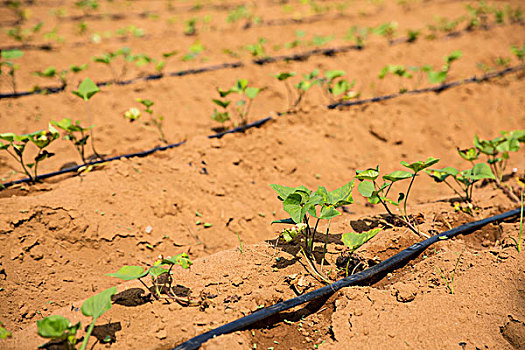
point(355, 240)
point(220, 117)
point(334, 74)
point(369, 174)
point(342, 195)
point(292, 205)
point(43, 155)
point(252, 92)
point(223, 104)
point(509, 145)
point(328, 213)
point(86, 89)
point(156, 271)
point(241, 85)
point(285, 191)
point(366, 188)
point(98, 304)
point(129, 272)
point(398, 175)
point(4, 333)
point(437, 76)
point(439, 175)
point(454, 55)
point(485, 146)
point(481, 171)
point(11, 54)
point(323, 194)
point(420, 165)
point(224, 93)
point(56, 327)
point(145, 102)
point(8, 136)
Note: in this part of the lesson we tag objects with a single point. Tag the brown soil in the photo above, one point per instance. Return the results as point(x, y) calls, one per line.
point(60, 237)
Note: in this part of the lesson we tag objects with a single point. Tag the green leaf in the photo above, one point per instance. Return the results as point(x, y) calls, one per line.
point(469, 154)
point(439, 175)
point(224, 93)
point(420, 165)
point(241, 85)
point(252, 92)
point(485, 146)
point(220, 117)
point(369, 174)
point(355, 240)
point(4, 333)
point(398, 175)
point(156, 271)
point(86, 89)
point(145, 102)
point(342, 195)
point(481, 171)
point(98, 304)
point(334, 74)
point(284, 221)
point(56, 327)
point(437, 76)
point(284, 75)
point(284, 191)
point(328, 213)
point(223, 104)
point(11, 54)
point(292, 205)
point(366, 188)
point(454, 55)
point(129, 272)
point(180, 259)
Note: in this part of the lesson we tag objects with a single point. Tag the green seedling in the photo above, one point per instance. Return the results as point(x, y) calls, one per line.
point(443, 24)
point(465, 179)
point(15, 145)
point(240, 12)
point(59, 329)
point(284, 76)
point(358, 35)
point(53, 35)
point(321, 40)
point(189, 26)
point(412, 35)
point(478, 15)
point(109, 57)
point(75, 133)
point(158, 120)
point(519, 52)
point(257, 49)
point(387, 30)
point(398, 70)
point(4, 333)
point(337, 88)
point(518, 242)
point(303, 205)
point(377, 194)
point(441, 75)
point(95, 307)
point(299, 34)
point(161, 277)
point(194, 51)
point(160, 64)
point(87, 5)
point(86, 90)
point(309, 80)
point(52, 73)
point(449, 280)
point(24, 35)
point(355, 240)
point(6, 58)
point(241, 107)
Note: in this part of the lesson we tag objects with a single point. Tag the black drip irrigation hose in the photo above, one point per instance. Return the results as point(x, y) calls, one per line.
point(378, 270)
point(438, 88)
point(76, 168)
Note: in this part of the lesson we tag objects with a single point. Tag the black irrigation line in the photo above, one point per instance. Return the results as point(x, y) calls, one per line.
point(76, 168)
point(438, 88)
point(360, 278)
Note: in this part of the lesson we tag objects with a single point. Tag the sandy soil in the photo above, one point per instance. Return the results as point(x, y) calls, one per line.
point(60, 237)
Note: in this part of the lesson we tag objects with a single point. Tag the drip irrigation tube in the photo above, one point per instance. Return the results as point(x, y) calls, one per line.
point(439, 88)
point(255, 124)
point(358, 278)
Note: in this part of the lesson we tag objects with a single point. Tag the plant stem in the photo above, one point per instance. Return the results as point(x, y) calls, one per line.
point(290, 95)
point(91, 131)
point(325, 244)
point(521, 223)
point(314, 269)
point(406, 197)
point(88, 334)
point(455, 191)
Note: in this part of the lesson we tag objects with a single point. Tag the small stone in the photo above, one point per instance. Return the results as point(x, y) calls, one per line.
point(403, 292)
point(162, 334)
point(503, 255)
point(149, 229)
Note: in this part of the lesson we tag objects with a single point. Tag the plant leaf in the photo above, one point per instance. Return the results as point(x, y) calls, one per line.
point(420, 165)
point(355, 240)
point(129, 272)
point(86, 89)
point(98, 304)
point(398, 175)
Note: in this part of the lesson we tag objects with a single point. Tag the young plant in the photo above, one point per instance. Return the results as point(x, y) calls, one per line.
point(375, 193)
point(241, 106)
point(337, 88)
point(161, 277)
point(284, 76)
point(257, 49)
point(15, 145)
point(75, 133)
point(194, 51)
point(6, 58)
point(519, 52)
point(95, 307)
point(189, 26)
point(4, 333)
point(441, 75)
point(134, 114)
point(412, 35)
point(160, 64)
point(303, 205)
point(309, 80)
point(387, 30)
point(299, 34)
point(52, 73)
point(108, 58)
point(86, 90)
point(60, 330)
point(449, 280)
point(358, 35)
point(398, 70)
point(464, 179)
